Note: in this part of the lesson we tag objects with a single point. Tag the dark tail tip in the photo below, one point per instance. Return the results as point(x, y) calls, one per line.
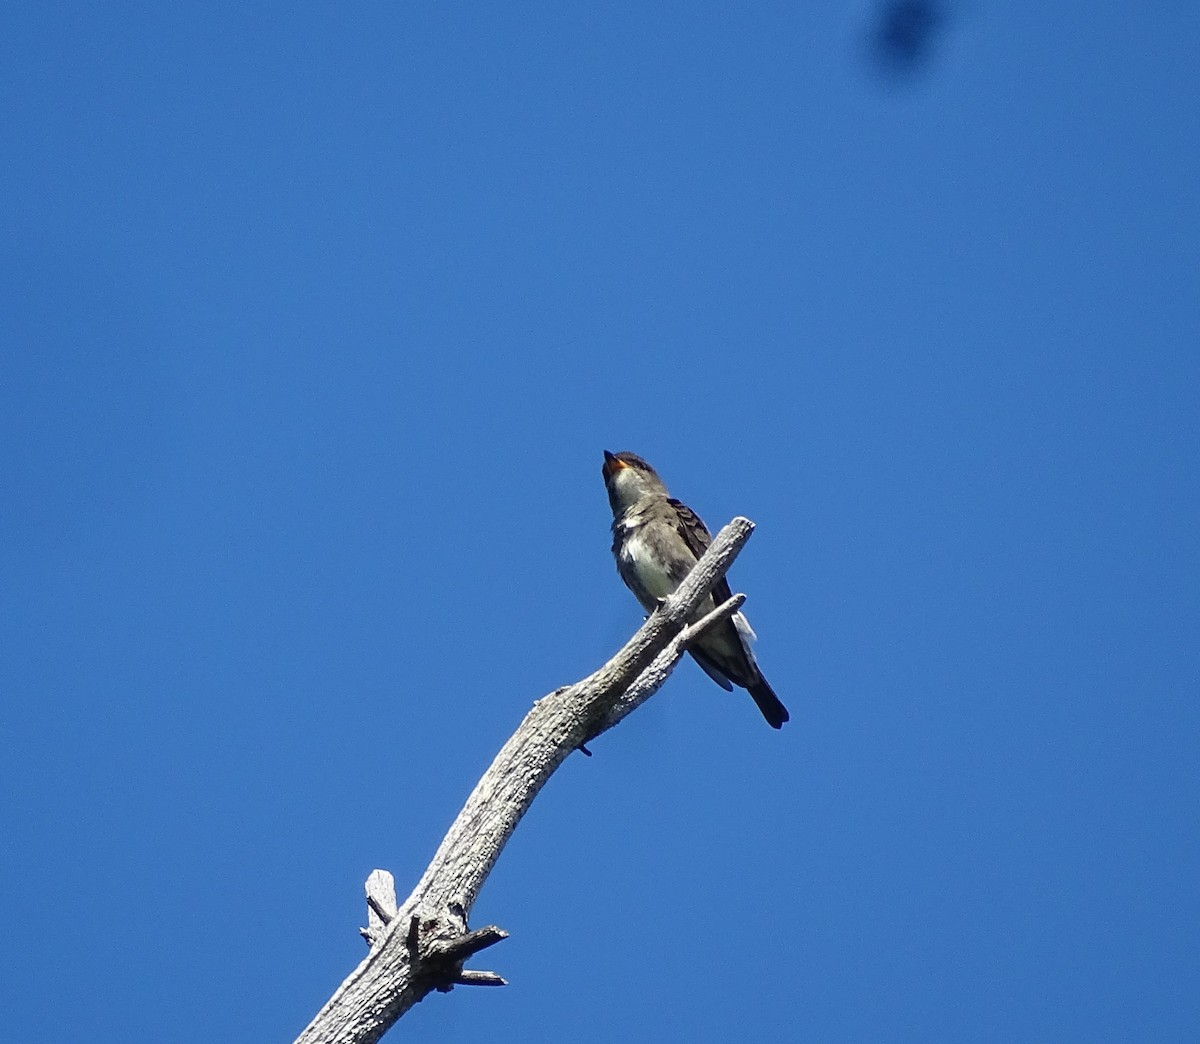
point(768, 703)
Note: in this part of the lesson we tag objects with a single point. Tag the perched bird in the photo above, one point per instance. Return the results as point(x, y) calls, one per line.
point(656, 541)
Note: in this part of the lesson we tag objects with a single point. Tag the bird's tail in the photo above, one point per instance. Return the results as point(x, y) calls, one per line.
point(772, 709)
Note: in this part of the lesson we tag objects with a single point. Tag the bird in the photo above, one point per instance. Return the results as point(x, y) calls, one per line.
point(656, 542)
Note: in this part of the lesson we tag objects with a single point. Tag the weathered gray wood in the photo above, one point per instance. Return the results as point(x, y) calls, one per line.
point(421, 947)
point(651, 679)
point(381, 905)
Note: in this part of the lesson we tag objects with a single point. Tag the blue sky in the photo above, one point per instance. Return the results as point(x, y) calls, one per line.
point(315, 321)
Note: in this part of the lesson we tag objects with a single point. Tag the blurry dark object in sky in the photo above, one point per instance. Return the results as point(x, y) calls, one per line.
point(902, 37)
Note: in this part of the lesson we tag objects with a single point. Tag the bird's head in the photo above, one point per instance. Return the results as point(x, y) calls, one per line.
point(629, 479)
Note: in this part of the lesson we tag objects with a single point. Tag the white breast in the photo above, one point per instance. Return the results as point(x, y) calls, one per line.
point(637, 555)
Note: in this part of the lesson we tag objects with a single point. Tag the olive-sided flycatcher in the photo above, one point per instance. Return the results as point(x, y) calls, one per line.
point(656, 541)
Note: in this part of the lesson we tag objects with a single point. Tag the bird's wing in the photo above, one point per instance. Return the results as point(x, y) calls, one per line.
point(711, 669)
point(695, 534)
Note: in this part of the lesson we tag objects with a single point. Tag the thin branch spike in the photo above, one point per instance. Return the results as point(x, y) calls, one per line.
point(470, 944)
point(480, 978)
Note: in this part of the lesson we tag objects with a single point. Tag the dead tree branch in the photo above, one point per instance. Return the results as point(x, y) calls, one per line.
point(421, 946)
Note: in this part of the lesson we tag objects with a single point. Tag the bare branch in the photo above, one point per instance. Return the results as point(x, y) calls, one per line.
point(416, 950)
point(652, 678)
point(381, 905)
point(470, 944)
point(480, 978)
